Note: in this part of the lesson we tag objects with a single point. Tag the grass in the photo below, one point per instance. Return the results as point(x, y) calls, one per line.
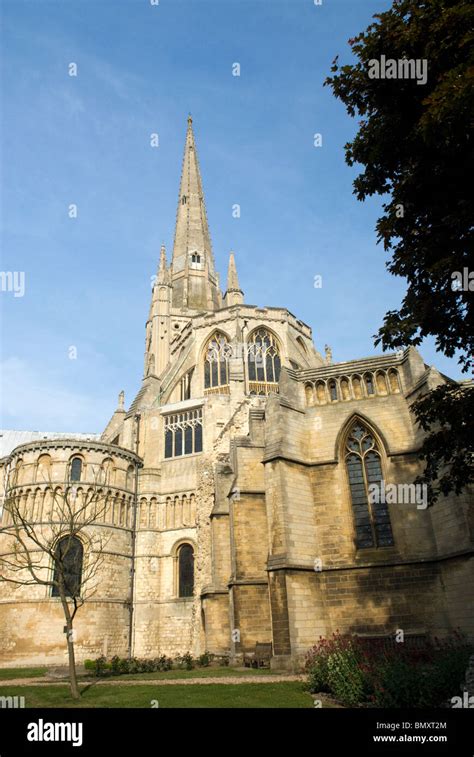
point(7, 673)
point(254, 695)
point(210, 672)
point(224, 672)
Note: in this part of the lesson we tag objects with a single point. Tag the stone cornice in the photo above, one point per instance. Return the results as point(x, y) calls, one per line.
point(278, 455)
point(77, 444)
point(207, 591)
point(253, 311)
point(247, 582)
point(285, 564)
point(360, 365)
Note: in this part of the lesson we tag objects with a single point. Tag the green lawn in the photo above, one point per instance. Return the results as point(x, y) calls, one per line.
point(258, 695)
point(224, 672)
point(7, 673)
point(210, 672)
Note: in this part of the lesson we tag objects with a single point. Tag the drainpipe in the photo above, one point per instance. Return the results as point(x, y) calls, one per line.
point(134, 541)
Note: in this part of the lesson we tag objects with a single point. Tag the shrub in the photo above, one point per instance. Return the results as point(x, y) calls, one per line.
point(204, 660)
point(345, 676)
point(115, 666)
point(100, 666)
point(185, 661)
point(163, 663)
point(382, 673)
point(148, 666)
point(124, 665)
point(335, 666)
point(400, 684)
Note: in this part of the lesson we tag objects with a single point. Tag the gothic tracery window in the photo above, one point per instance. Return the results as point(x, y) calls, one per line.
point(371, 519)
point(183, 433)
point(216, 365)
point(264, 363)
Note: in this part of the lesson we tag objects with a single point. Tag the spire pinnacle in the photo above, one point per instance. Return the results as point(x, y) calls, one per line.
point(232, 278)
point(234, 294)
point(162, 277)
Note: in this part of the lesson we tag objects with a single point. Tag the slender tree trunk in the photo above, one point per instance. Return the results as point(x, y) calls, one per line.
point(70, 649)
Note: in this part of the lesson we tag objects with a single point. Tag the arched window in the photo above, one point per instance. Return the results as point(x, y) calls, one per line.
point(357, 387)
point(264, 362)
point(371, 516)
point(68, 558)
point(394, 382)
point(17, 472)
point(321, 392)
point(369, 383)
point(216, 364)
point(301, 344)
point(76, 469)
point(345, 389)
point(43, 468)
point(107, 470)
point(195, 260)
point(332, 386)
point(309, 392)
point(185, 385)
point(185, 571)
point(183, 200)
point(129, 477)
point(381, 383)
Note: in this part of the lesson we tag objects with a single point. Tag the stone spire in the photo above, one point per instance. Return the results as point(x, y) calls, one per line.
point(234, 294)
point(195, 285)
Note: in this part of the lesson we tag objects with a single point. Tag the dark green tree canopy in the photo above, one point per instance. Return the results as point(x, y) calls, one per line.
point(415, 148)
point(415, 144)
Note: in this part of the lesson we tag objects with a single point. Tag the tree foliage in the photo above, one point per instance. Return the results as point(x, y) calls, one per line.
point(415, 146)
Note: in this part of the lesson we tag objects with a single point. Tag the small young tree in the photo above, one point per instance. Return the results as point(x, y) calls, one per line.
point(48, 549)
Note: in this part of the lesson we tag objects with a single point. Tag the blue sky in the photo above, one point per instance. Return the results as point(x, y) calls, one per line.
point(86, 140)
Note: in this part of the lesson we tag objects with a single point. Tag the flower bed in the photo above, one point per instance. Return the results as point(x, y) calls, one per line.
point(372, 672)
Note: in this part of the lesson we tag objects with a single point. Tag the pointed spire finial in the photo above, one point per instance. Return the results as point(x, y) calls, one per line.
point(121, 401)
point(234, 294)
point(232, 278)
point(190, 119)
point(162, 277)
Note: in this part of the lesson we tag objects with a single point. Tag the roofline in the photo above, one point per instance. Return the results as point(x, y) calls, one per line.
point(75, 444)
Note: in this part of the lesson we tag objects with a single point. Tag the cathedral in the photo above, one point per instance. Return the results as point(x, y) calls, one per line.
point(238, 488)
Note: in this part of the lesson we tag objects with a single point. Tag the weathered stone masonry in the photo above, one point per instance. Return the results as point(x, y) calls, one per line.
point(233, 514)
